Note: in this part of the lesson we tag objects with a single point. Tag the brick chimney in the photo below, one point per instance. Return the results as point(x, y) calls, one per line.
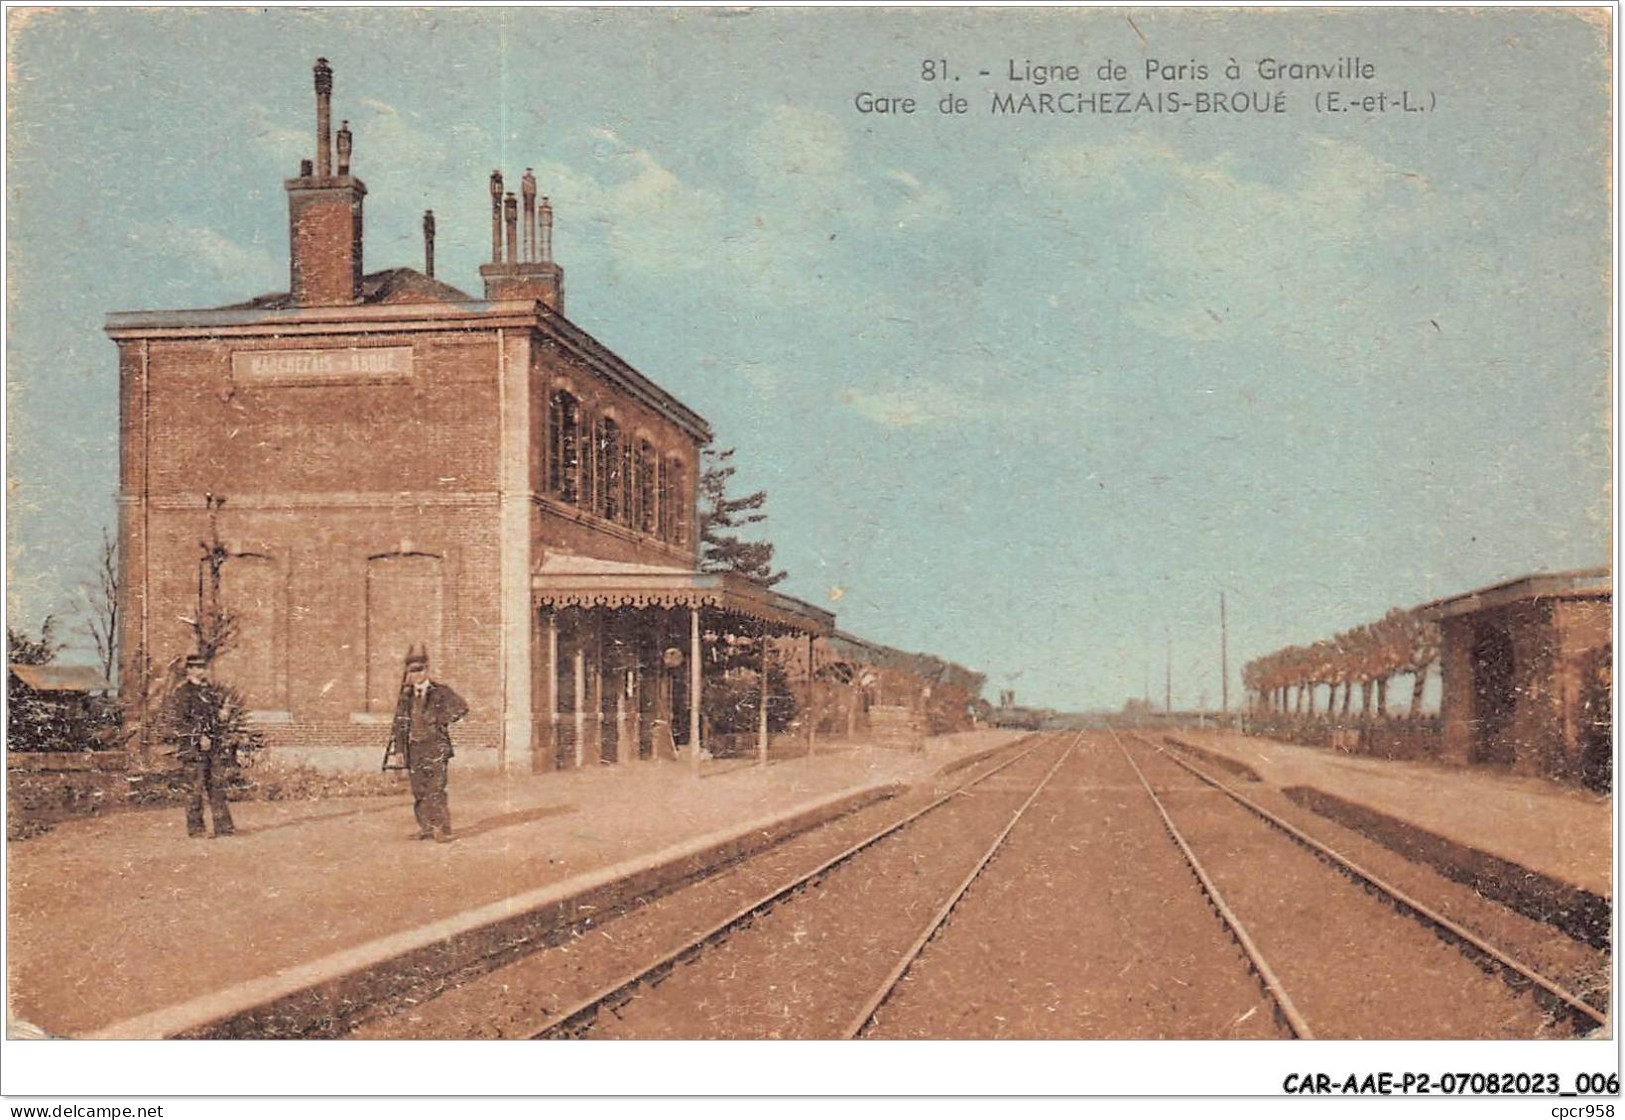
point(324, 215)
point(522, 265)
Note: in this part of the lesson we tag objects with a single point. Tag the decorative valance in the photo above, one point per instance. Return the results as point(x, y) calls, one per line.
point(584, 582)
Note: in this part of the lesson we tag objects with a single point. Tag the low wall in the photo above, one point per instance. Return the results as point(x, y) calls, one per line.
point(68, 761)
point(362, 760)
point(1420, 738)
point(1579, 913)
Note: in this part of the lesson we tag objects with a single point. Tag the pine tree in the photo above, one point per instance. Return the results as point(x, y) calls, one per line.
point(722, 550)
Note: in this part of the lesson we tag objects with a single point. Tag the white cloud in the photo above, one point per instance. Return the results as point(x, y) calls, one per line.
point(966, 390)
point(234, 266)
point(1289, 255)
point(801, 155)
point(649, 218)
point(916, 203)
point(908, 405)
point(773, 232)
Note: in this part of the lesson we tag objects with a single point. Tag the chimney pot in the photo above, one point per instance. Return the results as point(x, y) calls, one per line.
point(510, 218)
point(496, 217)
point(324, 119)
point(346, 143)
point(305, 169)
point(527, 194)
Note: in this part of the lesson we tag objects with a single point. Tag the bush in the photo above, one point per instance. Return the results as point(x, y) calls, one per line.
point(41, 722)
point(733, 704)
point(267, 779)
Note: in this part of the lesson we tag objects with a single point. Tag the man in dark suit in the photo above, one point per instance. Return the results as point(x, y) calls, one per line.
point(192, 721)
point(421, 732)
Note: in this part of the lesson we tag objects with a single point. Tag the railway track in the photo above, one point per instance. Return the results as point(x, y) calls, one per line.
point(578, 1019)
point(1519, 976)
point(1286, 1011)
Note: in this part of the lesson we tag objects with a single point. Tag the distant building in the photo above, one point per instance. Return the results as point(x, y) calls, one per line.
point(1526, 674)
point(55, 707)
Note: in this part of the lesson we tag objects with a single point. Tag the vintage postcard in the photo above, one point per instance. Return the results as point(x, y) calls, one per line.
point(1084, 524)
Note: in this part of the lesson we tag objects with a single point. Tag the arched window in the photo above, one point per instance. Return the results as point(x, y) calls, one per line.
point(674, 504)
point(662, 484)
point(627, 490)
point(587, 488)
point(608, 456)
point(564, 451)
point(648, 500)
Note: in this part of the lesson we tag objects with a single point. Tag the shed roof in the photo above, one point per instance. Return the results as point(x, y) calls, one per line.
point(60, 678)
point(1582, 583)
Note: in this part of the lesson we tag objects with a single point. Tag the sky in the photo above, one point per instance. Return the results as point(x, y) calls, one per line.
point(1025, 391)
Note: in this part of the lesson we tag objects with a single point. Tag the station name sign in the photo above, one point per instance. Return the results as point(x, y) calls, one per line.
point(320, 367)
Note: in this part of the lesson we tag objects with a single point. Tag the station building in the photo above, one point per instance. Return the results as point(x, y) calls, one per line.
point(1526, 671)
point(384, 461)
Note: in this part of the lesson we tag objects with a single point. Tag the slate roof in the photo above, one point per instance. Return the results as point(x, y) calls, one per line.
point(393, 285)
point(59, 678)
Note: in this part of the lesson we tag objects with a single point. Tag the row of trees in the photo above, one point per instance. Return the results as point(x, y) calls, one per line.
point(1371, 656)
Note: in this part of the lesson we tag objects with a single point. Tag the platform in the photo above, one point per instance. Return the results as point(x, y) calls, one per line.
point(122, 926)
point(1558, 831)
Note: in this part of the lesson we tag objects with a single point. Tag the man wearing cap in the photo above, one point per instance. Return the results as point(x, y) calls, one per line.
point(421, 731)
point(193, 715)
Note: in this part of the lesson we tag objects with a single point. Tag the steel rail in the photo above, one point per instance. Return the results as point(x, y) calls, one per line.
point(1398, 897)
point(582, 1013)
point(1272, 984)
point(862, 1019)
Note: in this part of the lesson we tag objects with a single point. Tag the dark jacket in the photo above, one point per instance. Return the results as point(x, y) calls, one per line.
point(441, 708)
point(191, 712)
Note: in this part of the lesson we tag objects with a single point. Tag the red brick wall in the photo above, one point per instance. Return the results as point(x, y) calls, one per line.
point(325, 229)
point(577, 529)
point(318, 479)
point(432, 432)
point(322, 474)
point(1551, 640)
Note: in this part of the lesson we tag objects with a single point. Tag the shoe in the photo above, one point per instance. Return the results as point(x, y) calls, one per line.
point(442, 836)
point(228, 832)
point(421, 836)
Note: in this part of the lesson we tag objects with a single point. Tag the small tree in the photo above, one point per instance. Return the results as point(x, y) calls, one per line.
point(733, 692)
point(721, 549)
point(100, 618)
point(214, 630)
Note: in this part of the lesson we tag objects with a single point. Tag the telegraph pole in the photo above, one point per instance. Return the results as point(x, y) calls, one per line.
point(1168, 677)
point(1224, 660)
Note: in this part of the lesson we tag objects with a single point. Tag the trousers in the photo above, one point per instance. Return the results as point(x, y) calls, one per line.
point(429, 794)
point(206, 778)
